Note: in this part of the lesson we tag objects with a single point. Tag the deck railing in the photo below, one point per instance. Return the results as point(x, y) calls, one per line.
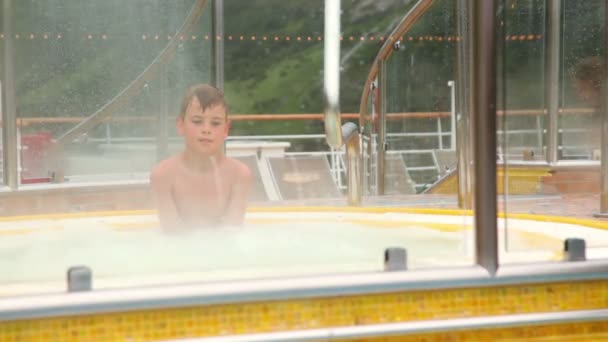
point(425, 141)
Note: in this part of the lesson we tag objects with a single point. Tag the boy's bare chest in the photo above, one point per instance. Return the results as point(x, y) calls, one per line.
point(205, 187)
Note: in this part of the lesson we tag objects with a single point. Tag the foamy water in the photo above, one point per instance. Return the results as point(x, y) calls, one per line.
point(129, 251)
point(272, 249)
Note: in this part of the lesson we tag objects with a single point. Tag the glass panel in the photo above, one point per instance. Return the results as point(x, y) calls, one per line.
point(549, 203)
point(420, 162)
point(583, 76)
point(521, 77)
point(77, 59)
point(274, 69)
point(269, 76)
point(2, 95)
point(581, 56)
point(419, 101)
point(521, 123)
point(2, 83)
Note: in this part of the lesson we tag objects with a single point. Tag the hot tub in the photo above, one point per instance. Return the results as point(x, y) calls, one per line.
point(126, 249)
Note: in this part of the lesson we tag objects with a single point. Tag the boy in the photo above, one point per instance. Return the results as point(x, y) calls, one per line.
point(201, 187)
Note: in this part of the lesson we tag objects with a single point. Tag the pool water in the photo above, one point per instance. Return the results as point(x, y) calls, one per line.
point(131, 246)
point(131, 250)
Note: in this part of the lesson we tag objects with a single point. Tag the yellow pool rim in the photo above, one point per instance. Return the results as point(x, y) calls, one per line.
point(371, 210)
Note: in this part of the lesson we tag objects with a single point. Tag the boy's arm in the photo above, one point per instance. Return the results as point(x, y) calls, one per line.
point(160, 183)
point(235, 213)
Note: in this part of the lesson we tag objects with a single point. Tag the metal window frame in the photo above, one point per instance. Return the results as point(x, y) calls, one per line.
point(9, 112)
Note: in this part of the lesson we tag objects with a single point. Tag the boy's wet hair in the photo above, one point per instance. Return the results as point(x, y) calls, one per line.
point(207, 95)
point(591, 70)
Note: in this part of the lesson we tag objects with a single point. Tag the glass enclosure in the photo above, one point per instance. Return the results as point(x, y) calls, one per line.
point(522, 134)
point(91, 93)
point(582, 45)
point(418, 81)
point(548, 143)
point(118, 63)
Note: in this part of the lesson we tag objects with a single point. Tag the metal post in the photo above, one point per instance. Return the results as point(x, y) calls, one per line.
point(604, 137)
point(350, 135)
point(452, 86)
point(365, 159)
point(552, 54)
point(9, 114)
point(80, 278)
point(335, 165)
point(395, 259)
point(381, 134)
point(539, 133)
point(218, 43)
point(331, 73)
point(439, 133)
point(484, 133)
point(369, 131)
point(464, 100)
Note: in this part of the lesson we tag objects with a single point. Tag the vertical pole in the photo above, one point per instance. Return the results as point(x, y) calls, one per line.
point(552, 53)
point(331, 73)
point(484, 133)
point(464, 102)
point(370, 174)
point(9, 114)
point(218, 43)
point(439, 133)
point(539, 133)
point(452, 86)
point(381, 135)
point(604, 138)
point(350, 132)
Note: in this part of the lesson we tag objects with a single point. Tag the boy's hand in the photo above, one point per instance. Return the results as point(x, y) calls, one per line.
point(239, 195)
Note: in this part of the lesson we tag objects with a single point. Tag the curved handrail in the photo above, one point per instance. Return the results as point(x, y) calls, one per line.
point(134, 87)
point(387, 49)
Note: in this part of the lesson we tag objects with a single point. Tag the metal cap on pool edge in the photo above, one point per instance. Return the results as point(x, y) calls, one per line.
point(80, 278)
point(574, 250)
point(395, 259)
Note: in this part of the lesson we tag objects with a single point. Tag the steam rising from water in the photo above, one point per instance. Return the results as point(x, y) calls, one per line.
point(274, 249)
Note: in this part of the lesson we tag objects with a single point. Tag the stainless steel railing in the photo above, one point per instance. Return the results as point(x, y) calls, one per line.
point(374, 81)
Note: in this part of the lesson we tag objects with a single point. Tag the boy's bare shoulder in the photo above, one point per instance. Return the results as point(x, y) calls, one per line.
point(165, 169)
point(238, 168)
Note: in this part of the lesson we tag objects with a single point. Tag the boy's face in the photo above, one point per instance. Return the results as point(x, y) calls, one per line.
point(204, 131)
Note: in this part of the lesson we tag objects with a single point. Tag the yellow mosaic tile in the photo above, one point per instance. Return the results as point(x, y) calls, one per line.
point(448, 185)
point(312, 313)
point(578, 332)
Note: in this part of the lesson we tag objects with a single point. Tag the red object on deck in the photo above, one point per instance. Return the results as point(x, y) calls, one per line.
point(35, 157)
